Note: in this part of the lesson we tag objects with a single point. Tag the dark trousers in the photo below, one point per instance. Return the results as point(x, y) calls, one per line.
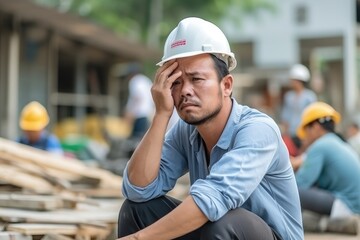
point(140, 127)
point(316, 200)
point(236, 224)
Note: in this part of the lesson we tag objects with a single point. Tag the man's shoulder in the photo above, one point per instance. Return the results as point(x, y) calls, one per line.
point(327, 142)
point(249, 114)
point(52, 139)
point(310, 94)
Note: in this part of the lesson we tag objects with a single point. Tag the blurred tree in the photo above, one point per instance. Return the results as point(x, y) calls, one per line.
point(151, 20)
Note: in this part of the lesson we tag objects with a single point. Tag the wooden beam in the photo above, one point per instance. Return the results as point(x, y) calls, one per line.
point(51, 236)
point(50, 161)
point(7, 235)
point(41, 229)
point(91, 215)
point(18, 178)
point(52, 178)
point(99, 192)
point(32, 202)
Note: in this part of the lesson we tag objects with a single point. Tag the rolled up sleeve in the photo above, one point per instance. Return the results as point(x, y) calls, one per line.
point(173, 165)
point(238, 173)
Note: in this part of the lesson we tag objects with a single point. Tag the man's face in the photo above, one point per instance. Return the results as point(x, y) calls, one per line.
point(312, 132)
point(198, 94)
point(33, 136)
point(297, 84)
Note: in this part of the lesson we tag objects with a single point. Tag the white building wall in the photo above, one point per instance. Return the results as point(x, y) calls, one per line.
point(276, 34)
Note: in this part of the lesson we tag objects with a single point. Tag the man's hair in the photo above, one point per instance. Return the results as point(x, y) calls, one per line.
point(220, 67)
point(326, 123)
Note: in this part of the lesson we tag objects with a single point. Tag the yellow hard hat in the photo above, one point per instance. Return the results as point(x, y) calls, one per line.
point(34, 117)
point(314, 111)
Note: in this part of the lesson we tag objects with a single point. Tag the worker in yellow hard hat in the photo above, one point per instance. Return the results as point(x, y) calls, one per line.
point(33, 121)
point(327, 174)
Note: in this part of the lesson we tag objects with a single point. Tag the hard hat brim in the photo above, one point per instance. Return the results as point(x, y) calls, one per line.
point(232, 63)
point(301, 130)
point(32, 126)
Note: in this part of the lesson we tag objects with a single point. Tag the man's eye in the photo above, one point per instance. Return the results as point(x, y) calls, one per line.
point(176, 82)
point(197, 79)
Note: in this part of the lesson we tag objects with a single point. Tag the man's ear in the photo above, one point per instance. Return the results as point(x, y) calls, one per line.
point(227, 85)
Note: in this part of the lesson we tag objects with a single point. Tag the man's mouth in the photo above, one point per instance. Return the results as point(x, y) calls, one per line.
point(187, 104)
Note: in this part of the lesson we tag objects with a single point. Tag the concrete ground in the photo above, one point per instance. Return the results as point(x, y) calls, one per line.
point(314, 236)
point(328, 236)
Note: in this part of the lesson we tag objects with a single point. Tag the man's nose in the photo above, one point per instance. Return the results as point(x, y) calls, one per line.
point(187, 89)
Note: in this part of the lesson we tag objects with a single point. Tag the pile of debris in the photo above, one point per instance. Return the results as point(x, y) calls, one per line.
point(45, 196)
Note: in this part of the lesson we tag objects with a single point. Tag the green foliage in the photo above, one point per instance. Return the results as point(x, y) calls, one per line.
point(132, 17)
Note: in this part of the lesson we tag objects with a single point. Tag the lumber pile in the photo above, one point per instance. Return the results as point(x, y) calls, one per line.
point(45, 196)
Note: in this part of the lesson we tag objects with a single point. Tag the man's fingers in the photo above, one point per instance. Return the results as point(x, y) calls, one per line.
point(167, 74)
point(166, 70)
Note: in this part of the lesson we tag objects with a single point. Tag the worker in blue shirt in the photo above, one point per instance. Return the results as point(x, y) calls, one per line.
point(328, 174)
point(33, 121)
point(242, 182)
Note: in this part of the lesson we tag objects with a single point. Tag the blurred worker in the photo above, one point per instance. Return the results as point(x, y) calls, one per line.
point(296, 100)
point(33, 121)
point(328, 174)
point(242, 183)
point(353, 136)
point(139, 107)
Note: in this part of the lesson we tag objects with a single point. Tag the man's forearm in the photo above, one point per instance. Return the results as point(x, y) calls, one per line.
point(186, 218)
point(145, 162)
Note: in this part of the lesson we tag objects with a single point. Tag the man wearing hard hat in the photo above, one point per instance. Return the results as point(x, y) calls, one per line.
point(296, 100)
point(139, 106)
point(328, 174)
point(242, 182)
point(33, 120)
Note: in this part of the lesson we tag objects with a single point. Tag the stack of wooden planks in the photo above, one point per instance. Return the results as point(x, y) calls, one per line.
point(45, 196)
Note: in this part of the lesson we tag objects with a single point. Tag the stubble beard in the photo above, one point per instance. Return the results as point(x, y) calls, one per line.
point(196, 121)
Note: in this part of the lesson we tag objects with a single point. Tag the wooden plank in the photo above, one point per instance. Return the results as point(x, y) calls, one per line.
point(53, 178)
point(41, 229)
point(89, 232)
point(92, 215)
point(32, 202)
point(48, 160)
point(18, 178)
point(53, 175)
point(9, 188)
point(99, 192)
point(55, 237)
point(7, 235)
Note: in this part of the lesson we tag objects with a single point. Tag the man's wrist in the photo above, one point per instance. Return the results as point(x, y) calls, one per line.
point(137, 236)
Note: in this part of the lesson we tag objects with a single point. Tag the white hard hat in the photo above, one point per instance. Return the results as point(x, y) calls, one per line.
point(300, 72)
point(194, 36)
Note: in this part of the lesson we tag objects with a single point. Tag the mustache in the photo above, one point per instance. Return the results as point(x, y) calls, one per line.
point(186, 102)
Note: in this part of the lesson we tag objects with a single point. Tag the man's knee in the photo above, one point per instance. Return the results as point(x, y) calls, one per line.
point(237, 224)
point(134, 216)
point(125, 219)
point(125, 211)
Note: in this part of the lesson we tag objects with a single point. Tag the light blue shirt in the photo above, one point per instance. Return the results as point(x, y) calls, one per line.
point(293, 107)
point(249, 168)
point(332, 165)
